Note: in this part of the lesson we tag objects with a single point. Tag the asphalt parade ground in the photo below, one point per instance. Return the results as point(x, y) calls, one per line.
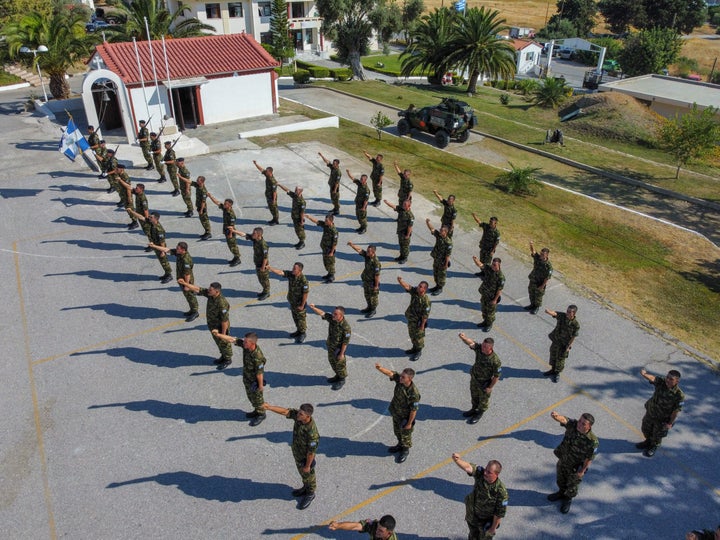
point(116, 424)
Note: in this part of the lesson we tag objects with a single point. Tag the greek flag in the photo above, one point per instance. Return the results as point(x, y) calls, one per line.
point(72, 142)
point(460, 5)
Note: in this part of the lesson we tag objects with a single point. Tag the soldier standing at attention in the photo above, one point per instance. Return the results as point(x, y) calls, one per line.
point(101, 156)
point(362, 196)
point(328, 244)
point(561, 339)
point(377, 529)
point(493, 281)
point(297, 213)
point(487, 504)
point(260, 259)
point(218, 318)
point(406, 185)
point(156, 150)
point(183, 270)
point(253, 373)
point(484, 375)
point(417, 315)
point(93, 140)
point(489, 241)
point(405, 222)
point(370, 277)
point(297, 298)
point(403, 409)
point(337, 341)
point(111, 169)
point(449, 212)
point(201, 195)
point(157, 238)
point(305, 442)
point(539, 276)
point(228, 226)
point(334, 182)
point(185, 182)
point(577, 449)
point(441, 256)
point(124, 189)
point(661, 409)
point(143, 138)
point(270, 192)
point(376, 176)
point(172, 169)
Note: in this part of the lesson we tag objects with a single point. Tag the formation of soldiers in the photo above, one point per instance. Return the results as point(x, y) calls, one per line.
point(486, 505)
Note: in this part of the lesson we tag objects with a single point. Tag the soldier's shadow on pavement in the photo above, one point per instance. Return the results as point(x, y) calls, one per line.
point(107, 276)
point(290, 380)
point(16, 193)
point(528, 497)
point(76, 187)
point(152, 357)
point(460, 303)
point(192, 414)
point(435, 412)
point(128, 312)
point(324, 532)
point(376, 405)
point(451, 491)
point(541, 438)
point(343, 447)
point(91, 224)
point(214, 488)
point(372, 351)
point(102, 183)
point(73, 201)
point(219, 261)
point(517, 373)
point(455, 366)
point(45, 146)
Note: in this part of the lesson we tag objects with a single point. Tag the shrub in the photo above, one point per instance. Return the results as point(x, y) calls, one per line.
point(504, 99)
point(519, 180)
point(527, 86)
point(301, 76)
point(341, 74)
point(319, 72)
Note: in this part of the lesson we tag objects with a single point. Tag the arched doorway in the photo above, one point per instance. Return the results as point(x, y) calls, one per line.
point(107, 106)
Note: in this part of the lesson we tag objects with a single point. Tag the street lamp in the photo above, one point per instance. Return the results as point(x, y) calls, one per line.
point(40, 49)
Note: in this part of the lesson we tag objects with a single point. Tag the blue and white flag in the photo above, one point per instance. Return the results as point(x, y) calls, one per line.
point(73, 142)
point(460, 5)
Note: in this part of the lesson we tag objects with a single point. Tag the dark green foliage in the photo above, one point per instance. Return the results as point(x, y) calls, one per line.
point(650, 51)
point(301, 76)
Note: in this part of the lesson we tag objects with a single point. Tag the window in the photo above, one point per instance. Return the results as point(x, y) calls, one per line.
point(235, 9)
point(298, 10)
point(264, 9)
point(266, 37)
point(212, 11)
point(529, 57)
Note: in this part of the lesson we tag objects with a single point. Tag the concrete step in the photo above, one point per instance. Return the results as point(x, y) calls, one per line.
point(28, 76)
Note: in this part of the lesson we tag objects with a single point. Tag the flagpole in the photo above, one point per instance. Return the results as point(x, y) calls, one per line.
point(167, 74)
point(152, 58)
point(142, 81)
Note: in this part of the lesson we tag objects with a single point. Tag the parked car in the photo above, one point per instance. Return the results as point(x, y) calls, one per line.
point(450, 119)
point(95, 26)
point(566, 53)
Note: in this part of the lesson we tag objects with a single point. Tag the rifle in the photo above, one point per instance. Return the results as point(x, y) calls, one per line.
point(162, 128)
point(175, 142)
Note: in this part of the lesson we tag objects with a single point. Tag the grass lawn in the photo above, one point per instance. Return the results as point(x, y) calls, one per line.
point(664, 276)
point(7, 79)
point(391, 64)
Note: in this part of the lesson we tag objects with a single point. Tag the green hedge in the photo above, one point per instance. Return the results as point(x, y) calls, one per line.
point(301, 76)
point(341, 74)
point(318, 72)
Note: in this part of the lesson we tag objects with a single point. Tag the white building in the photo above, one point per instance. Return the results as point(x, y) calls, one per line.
point(527, 55)
point(253, 17)
point(205, 80)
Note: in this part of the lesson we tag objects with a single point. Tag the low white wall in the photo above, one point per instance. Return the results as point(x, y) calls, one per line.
point(232, 98)
point(320, 123)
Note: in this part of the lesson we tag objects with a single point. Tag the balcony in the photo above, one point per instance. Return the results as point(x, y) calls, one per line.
point(305, 22)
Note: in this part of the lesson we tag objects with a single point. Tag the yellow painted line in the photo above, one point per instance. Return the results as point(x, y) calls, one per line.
point(435, 467)
point(34, 398)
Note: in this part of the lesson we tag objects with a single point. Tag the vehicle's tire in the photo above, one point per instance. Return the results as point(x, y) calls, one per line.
point(463, 137)
point(403, 127)
point(472, 122)
point(442, 139)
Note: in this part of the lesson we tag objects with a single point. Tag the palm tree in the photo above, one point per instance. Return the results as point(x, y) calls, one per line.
point(160, 21)
point(552, 92)
point(519, 180)
point(476, 47)
point(428, 41)
point(62, 32)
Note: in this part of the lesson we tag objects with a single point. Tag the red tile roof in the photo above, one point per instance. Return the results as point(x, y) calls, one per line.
point(187, 57)
point(520, 44)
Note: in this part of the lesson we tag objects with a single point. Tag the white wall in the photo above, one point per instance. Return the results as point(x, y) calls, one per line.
point(231, 98)
point(158, 105)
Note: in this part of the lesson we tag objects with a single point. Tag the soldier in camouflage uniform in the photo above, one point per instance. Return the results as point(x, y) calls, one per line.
point(93, 140)
point(539, 276)
point(183, 270)
point(362, 195)
point(406, 185)
point(270, 192)
point(661, 410)
point(577, 449)
point(337, 341)
point(305, 443)
point(334, 182)
point(143, 138)
point(417, 315)
point(484, 375)
point(124, 189)
point(201, 195)
point(490, 239)
point(260, 259)
point(141, 207)
point(157, 239)
point(111, 169)
point(403, 409)
point(441, 256)
point(370, 277)
point(185, 182)
point(101, 157)
point(449, 212)
point(218, 318)
point(228, 226)
point(172, 168)
point(561, 339)
point(297, 298)
point(253, 373)
point(328, 244)
point(486, 505)
point(493, 281)
point(377, 529)
point(405, 221)
point(156, 150)
point(297, 213)
point(376, 176)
